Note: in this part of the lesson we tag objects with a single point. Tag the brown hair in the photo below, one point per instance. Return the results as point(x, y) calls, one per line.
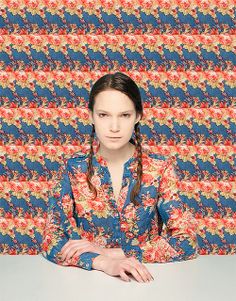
point(123, 83)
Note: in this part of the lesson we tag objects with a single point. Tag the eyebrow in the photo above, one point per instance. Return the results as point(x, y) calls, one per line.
point(130, 111)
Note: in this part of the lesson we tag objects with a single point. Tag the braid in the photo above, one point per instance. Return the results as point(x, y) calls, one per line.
point(160, 221)
point(136, 188)
point(90, 166)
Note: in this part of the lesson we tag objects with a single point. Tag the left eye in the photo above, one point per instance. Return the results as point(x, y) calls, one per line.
point(127, 115)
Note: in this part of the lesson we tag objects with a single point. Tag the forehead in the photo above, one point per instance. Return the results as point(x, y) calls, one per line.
point(113, 101)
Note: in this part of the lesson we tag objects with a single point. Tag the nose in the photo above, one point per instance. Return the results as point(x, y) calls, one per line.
point(114, 126)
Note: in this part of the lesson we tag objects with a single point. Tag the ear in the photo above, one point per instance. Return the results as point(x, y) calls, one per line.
point(138, 118)
point(91, 116)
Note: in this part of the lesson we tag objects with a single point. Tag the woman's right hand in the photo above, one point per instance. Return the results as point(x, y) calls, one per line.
point(122, 267)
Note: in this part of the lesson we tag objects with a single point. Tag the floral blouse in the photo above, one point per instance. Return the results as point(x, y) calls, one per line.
point(160, 229)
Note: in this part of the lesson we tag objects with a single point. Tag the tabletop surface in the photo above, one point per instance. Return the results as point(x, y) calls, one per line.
point(34, 278)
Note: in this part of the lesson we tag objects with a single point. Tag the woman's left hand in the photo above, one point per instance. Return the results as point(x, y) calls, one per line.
point(75, 247)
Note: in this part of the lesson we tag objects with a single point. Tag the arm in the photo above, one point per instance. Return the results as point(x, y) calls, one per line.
point(180, 242)
point(61, 226)
point(116, 253)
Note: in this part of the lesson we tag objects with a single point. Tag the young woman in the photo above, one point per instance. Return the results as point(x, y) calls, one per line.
point(108, 210)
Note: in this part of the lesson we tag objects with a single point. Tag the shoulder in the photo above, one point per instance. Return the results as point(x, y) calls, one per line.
point(78, 158)
point(158, 159)
point(155, 156)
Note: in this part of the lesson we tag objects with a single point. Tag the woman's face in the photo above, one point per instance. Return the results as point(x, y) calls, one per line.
point(114, 116)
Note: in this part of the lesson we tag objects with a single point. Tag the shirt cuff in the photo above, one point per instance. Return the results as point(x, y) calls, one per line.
point(86, 260)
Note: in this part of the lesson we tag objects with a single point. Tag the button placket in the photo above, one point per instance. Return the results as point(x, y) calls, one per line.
point(111, 191)
point(117, 231)
point(118, 234)
point(117, 213)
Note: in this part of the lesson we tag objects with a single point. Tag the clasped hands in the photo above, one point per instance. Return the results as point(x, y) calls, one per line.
point(76, 247)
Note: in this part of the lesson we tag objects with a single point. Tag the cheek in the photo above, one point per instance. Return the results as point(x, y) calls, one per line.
point(128, 130)
point(128, 124)
point(100, 128)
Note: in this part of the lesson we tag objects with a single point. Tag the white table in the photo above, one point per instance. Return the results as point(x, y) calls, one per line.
point(33, 278)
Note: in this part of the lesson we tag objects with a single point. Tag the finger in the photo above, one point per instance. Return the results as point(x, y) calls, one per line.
point(145, 275)
point(71, 254)
point(72, 242)
point(139, 270)
point(78, 251)
point(74, 249)
point(143, 270)
point(130, 268)
point(80, 246)
point(64, 256)
point(67, 252)
point(148, 273)
point(124, 276)
point(66, 247)
point(71, 245)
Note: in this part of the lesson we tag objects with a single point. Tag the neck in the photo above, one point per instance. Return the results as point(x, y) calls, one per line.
point(117, 156)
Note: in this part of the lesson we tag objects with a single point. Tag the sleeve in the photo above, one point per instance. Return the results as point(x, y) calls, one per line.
point(61, 226)
point(180, 242)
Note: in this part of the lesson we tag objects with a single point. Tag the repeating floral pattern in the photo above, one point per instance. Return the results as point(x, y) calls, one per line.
point(73, 213)
point(181, 53)
point(118, 16)
point(103, 52)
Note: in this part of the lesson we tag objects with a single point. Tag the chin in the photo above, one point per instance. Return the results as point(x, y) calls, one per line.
point(114, 144)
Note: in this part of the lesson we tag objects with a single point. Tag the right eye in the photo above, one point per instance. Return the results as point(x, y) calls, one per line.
point(101, 114)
